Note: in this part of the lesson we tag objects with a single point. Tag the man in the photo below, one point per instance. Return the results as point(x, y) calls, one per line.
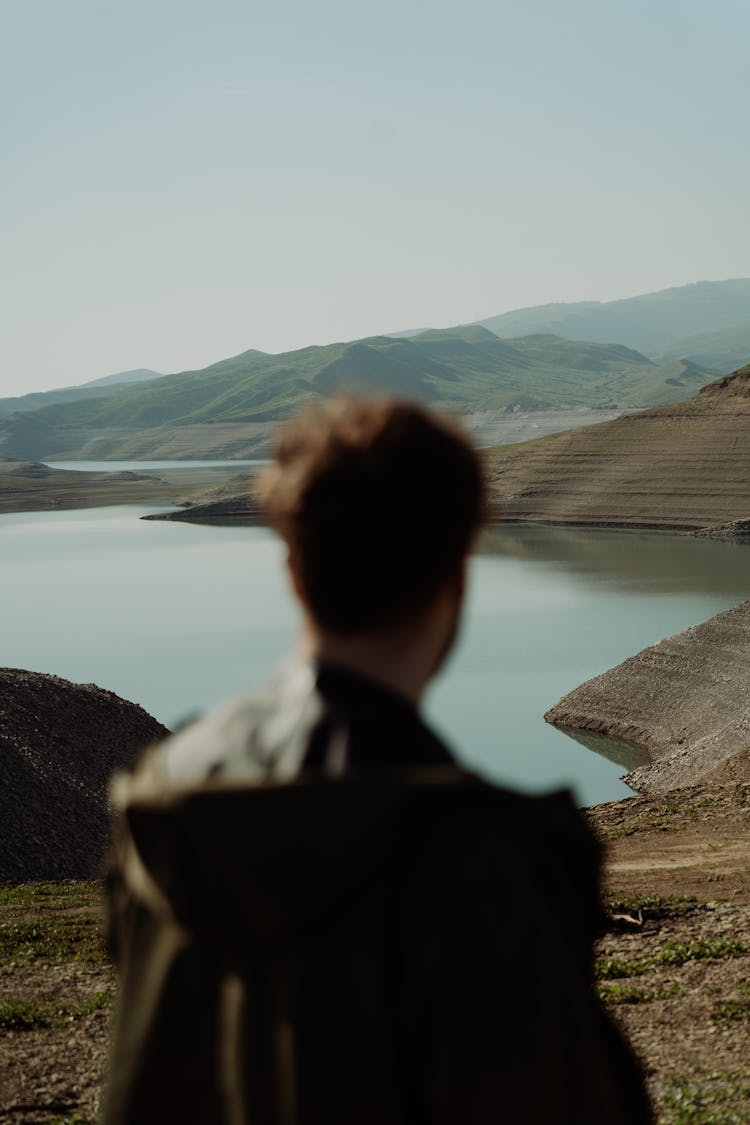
point(318, 917)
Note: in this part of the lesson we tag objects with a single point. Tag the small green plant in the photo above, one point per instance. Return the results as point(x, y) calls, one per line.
point(17, 1014)
point(655, 906)
point(20, 1014)
point(672, 953)
point(74, 938)
point(702, 949)
point(614, 993)
point(731, 1012)
point(712, 1104)
point(65, 895)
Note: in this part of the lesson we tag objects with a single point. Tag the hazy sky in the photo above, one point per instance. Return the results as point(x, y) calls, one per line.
point(183, 180)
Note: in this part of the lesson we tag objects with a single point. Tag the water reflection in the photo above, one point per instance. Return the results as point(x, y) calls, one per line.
point(656, 562)
point(617, 750)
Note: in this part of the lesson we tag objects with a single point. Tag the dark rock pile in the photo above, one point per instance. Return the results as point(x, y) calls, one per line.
point(60, 743)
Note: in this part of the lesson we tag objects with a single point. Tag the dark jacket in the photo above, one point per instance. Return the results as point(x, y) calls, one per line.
point(402, 944)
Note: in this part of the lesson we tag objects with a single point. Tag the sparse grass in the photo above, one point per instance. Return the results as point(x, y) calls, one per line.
point(67, 895)
point(614, 993)
point(672, 953)
point(660, 819)
point(20, 1014)
point(656, 906)
point(731, 1012)
point(701, 949)
point(722, 1100)
point(17, 1014)
point(54, 939)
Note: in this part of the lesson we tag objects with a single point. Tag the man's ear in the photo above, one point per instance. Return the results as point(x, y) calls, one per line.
point(294, 578)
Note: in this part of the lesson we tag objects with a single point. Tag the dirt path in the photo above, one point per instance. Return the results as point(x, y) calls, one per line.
point(673, 967)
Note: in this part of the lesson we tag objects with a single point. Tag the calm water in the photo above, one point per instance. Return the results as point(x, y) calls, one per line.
point(174, 616)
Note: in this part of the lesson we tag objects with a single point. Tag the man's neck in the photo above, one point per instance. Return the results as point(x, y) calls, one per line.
point(383, 658)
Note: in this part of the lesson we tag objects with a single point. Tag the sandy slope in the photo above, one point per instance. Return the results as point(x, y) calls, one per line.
point(686, 465)
point(684, 700)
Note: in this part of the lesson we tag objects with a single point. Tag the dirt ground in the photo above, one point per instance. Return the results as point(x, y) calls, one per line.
point(672, 967)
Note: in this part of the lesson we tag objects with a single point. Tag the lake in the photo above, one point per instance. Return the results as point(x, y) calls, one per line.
point(175, 615)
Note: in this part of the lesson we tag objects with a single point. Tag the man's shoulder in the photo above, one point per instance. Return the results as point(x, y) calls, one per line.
point(246, 736)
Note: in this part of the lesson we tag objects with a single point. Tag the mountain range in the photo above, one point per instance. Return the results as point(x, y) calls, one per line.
point(462, 369)
point(707, 322)
point(228, 409)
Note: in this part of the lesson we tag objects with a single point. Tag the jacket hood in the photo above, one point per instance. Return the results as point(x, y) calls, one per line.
point(263, 865)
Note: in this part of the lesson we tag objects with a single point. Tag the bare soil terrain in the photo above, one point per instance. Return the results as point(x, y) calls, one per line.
point(682, 466)
point(672, 967)
point(30, 486)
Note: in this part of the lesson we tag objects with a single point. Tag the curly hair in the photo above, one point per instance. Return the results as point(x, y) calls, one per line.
point(378, 501)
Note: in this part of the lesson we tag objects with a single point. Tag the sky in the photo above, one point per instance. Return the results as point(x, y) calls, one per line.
point(182, 181)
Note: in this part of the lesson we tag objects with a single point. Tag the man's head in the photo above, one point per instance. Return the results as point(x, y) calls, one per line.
point(378, 502)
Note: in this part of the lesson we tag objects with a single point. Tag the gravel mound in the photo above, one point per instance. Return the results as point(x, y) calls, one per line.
point(60, 743)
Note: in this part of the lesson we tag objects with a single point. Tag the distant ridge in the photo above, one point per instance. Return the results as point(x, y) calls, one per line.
point(707, 322)
point(684, 465)
point(138, 375)
point(96, 388)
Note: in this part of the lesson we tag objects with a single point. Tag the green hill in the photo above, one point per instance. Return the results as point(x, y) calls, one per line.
point(462, 369)
point(138, 375)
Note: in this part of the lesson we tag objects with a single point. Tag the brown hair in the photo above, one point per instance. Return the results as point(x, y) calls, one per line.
point(378, 501)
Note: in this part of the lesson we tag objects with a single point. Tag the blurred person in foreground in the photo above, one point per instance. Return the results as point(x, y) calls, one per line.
point(318, 916)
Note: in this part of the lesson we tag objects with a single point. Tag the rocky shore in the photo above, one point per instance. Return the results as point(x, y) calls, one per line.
point(737, 530)
point(685, 701)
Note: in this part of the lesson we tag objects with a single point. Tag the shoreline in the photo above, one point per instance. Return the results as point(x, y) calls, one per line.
point(114, 493)
point(213, 492)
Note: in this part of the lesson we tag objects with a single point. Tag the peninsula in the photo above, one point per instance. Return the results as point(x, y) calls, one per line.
point(684, 701)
